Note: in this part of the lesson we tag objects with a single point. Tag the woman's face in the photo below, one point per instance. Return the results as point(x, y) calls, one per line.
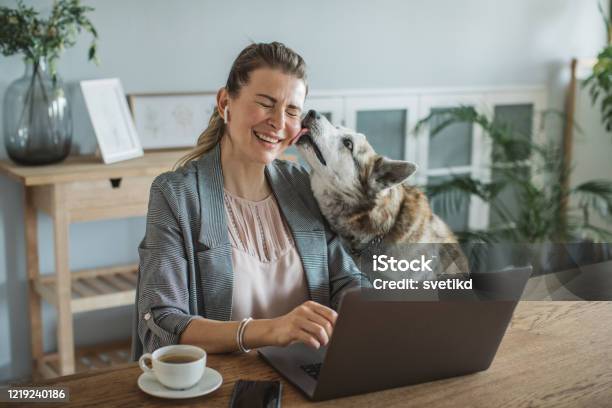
point(265, 115)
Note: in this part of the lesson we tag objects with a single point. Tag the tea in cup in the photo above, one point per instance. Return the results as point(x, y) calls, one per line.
point(178, 366)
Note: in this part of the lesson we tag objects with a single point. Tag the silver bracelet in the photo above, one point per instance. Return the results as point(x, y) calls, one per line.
point(240, 334)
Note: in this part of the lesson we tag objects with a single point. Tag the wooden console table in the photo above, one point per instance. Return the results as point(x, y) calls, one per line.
point(81, 189)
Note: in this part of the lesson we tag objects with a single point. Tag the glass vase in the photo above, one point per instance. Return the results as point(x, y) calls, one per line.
point(37, 118)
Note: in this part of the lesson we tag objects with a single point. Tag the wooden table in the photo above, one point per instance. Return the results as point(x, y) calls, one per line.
point(81, 188)
point(554, 354)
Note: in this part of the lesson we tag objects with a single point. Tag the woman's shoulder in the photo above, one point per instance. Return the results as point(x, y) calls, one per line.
point(294, 172)
point(179, 182)
point(299, 179)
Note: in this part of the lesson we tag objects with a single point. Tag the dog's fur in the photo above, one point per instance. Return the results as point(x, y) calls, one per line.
point(366, 199)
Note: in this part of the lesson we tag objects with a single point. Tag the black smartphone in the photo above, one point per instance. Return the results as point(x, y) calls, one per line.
point(256, 394)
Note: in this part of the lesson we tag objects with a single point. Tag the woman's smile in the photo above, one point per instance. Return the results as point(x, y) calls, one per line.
point(268, 140)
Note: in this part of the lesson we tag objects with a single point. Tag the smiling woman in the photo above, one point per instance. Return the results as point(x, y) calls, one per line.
point(236, 254)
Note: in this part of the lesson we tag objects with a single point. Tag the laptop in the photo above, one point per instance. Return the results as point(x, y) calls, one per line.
point(379, 344)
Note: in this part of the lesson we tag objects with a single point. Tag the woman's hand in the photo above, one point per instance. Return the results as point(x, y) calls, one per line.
point(310, 323)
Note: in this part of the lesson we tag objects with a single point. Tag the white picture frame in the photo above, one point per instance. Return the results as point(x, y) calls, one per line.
point(111, 120)
point(171, 120)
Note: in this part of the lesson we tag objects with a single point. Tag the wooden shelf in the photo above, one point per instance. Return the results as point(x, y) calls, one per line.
point(89, 358)
point(81, 188)
point(94, 289)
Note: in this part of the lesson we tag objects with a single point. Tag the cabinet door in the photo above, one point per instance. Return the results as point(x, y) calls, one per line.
point(386, 121)
point(521, 112)
point(454, 209)
point(455, 151)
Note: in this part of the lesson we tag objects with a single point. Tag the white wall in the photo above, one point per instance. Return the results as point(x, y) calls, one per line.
point(155, 45)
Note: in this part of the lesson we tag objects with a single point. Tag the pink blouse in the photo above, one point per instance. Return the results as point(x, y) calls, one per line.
point(269, 279)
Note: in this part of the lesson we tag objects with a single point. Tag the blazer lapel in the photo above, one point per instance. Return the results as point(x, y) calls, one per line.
point(215, 263)
point(308, 233)
point(213, 225)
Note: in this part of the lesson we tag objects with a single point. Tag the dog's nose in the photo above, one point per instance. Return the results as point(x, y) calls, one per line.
point(313, 114)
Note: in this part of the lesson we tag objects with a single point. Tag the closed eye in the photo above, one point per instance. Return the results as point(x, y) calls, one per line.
point(348, 143)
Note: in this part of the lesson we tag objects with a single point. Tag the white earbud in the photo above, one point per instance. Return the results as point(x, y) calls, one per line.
point(225, 115)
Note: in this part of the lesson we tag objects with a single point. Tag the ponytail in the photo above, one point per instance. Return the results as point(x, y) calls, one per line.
point(207, 140)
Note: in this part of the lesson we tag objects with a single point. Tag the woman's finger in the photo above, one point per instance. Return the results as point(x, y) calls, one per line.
point(321, 321)
point(315, 330)
point(308, 339)
point(324, 311)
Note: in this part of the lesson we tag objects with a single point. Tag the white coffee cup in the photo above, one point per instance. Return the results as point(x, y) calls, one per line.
point(175, 375)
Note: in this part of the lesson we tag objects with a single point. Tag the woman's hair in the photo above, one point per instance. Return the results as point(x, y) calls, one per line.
point(269, 55)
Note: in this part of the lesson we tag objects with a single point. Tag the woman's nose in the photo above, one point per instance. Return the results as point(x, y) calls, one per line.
point(277, 120)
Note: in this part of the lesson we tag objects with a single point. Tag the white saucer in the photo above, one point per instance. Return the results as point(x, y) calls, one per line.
point(211, 380)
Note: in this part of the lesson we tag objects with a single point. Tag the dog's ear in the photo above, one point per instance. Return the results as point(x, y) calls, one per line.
point(387, 172)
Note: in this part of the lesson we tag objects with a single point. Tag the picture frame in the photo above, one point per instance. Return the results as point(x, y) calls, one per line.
point(172, 120)
point(111, 120)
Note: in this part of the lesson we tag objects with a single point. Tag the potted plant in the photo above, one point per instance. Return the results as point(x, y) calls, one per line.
point(37, 119)
point(554, 237)
point(600, 80)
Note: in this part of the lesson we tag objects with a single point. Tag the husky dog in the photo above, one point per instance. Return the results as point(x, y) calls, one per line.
point(367, 201)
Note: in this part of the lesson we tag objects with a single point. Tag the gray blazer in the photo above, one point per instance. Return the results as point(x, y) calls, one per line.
point(185, 269)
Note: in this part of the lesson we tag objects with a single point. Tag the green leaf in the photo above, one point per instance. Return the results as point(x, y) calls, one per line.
point(22, 31)
point(596, 194)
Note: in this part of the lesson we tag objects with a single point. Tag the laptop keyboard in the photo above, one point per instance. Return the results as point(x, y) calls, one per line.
point(312, 369)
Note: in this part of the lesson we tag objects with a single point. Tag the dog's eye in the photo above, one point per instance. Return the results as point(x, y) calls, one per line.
point(348, 143)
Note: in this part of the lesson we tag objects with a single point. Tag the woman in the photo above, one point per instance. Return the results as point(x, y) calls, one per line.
point(234, 235)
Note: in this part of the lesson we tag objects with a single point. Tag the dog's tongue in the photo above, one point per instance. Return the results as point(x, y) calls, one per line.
point(297, 137)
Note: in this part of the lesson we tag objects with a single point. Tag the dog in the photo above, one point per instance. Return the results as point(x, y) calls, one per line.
point(366, 199)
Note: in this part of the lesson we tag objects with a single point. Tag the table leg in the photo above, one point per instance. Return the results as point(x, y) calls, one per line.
point(31, 236)
point(65, 335)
